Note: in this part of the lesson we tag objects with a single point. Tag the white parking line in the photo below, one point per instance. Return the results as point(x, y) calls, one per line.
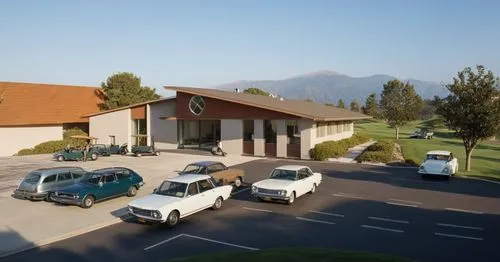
point(239, 191)
point(223, 243)
point(457, 236)
point(326, 213)
point(405, 201)
point(464, 211)
point(348, 195)
point(383, 228)
point(256, 209)
point(163, 242)
point(459, 226)
point(315, 220)
point(400, 204)
point(389, 220)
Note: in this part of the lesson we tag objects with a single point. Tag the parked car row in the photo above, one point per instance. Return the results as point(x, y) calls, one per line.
point(201, 185)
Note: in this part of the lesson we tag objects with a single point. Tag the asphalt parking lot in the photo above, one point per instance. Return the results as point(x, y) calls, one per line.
point(357, 207)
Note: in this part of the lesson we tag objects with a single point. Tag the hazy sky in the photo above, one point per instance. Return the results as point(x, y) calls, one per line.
point(205, 43)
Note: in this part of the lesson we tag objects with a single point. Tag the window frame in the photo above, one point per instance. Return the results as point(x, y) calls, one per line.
point(197, 189)
point(44, 181)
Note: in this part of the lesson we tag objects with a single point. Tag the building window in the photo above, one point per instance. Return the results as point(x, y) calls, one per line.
point(248, 129)
point(270, 131)
point(292, 132)
point(196, 105)
point(321, 129)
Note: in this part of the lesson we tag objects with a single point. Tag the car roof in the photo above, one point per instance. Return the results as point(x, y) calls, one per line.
point(57, 169)
point(439, 152)
point(109, 169)
point(188, 178)
point(291, 167)
point(205, 163)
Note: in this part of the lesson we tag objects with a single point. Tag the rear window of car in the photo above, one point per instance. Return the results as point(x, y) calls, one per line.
point(51, 178)
point(33, 177)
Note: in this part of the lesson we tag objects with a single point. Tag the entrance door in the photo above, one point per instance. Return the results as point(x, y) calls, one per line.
point(248, 129)
point(270, 137)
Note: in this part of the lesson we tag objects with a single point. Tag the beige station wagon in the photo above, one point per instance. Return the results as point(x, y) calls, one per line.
point(222, 174)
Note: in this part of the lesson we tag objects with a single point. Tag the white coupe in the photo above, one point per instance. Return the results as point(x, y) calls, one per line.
point(441, 163)
point(287, 183)
point(179, 197)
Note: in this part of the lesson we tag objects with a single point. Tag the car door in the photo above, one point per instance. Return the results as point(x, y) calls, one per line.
point(192, 202)
point(110, 186)
point(63, 179)
point(304, 181)
point(124, 179)
point(218, 172)
point(207, 192)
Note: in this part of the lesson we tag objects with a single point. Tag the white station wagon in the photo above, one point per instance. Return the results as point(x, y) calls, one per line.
point(439, 162)
point(179, 197)
point(287, 183)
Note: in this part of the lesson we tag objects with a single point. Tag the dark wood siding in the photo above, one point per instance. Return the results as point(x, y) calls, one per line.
point(138, 112)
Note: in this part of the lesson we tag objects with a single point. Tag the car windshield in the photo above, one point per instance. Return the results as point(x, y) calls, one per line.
point(438, 157)
point(194, 169)
point(33, 177)
point(283, 174)
point(174, 189)
point(92, 178)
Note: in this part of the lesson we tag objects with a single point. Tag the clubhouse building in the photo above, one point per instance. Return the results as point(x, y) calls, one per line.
point(245, 123)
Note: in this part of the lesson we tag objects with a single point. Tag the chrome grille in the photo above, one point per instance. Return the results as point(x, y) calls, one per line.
point(268, 191)
point(142, 212)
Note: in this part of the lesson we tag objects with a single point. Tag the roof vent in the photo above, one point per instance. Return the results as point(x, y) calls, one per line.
point(236, 90)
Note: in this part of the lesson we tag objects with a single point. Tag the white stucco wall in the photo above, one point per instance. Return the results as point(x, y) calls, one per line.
point(258, 137)
point(307, 134)
point(164, 131)
point(232, 135)
point(116, 123)
point(13, 139)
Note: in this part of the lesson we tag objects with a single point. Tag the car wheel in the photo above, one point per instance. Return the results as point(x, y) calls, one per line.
point(49, 196)
point(217, 204)
point(291, 199)
point(173, 218)
point(313, 189)
point(237, 182)
point(60, 158)
point(132, 191)
point(93, 157)
point(258, 199)
point(88, 202)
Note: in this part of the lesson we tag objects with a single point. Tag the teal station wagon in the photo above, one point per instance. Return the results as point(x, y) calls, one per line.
point(99, 185)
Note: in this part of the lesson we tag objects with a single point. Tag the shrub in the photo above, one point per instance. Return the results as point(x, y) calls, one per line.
point(329, 149)
point(374, 156)
point(50, 147)
point(25, 152)
point(411, 162)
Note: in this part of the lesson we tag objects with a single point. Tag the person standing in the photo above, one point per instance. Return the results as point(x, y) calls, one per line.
point(86, 150)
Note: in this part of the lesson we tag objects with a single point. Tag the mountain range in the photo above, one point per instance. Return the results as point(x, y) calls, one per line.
point(329, 86)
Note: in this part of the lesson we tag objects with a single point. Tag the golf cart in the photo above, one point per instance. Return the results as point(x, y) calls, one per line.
point(117, 149)
point(139, 150)
point(422, 134)
point(74, 154)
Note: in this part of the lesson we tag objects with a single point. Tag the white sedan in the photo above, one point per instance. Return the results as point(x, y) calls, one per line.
point(287, 183)
point(441, 163)
point(179, 197)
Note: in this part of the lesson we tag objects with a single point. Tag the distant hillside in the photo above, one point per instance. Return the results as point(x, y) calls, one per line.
point(329, 87)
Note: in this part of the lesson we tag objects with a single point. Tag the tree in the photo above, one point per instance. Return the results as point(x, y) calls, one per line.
point(255, 91)
point(341, 104)
point(329, 104)
point(472, 109)
point(124, 89)
point(400, 104)
point(355, 105)
point(371, 107)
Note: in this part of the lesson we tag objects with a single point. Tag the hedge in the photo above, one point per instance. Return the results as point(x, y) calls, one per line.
point(56, 145)
point(331, 149)
point(380, 152)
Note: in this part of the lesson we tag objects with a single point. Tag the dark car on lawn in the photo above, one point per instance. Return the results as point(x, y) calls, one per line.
point(99, 185)
point(40, 184)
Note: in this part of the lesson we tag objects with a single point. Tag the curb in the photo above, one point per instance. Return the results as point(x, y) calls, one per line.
point(47, 241)
point(480, 179)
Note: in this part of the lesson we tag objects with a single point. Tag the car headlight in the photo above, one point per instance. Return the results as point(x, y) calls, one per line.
point(56, 193)
point(446, 170)
point(156, 214)
point(254, 189)
point(282, 192)
point(421, 168)
point(129, 209)
point(75, 196)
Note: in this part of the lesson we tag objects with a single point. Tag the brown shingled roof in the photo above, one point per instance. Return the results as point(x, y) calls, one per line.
point(43, 104)
point(301, 108)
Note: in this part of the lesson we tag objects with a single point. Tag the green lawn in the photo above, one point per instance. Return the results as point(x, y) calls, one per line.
point(485, 158)
point(292, 255)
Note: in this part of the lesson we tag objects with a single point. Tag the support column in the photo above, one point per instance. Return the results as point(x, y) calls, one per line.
point(307, 137)
point(281, 138)
point(129, 131)
point(258, 137)
point(231, 135)
point(148, 124)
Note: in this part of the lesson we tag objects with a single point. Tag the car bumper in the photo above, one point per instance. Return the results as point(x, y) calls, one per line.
point(433, 173)
point(29, 195)
point(67, 201)
point(269, 196)
point(144, 219)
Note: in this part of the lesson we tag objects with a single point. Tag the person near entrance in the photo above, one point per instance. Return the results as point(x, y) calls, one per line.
point(86, 150)
point(219, 146)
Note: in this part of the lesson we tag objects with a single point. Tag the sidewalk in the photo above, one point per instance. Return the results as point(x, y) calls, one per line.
point(352, 153)
point(25, 224)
